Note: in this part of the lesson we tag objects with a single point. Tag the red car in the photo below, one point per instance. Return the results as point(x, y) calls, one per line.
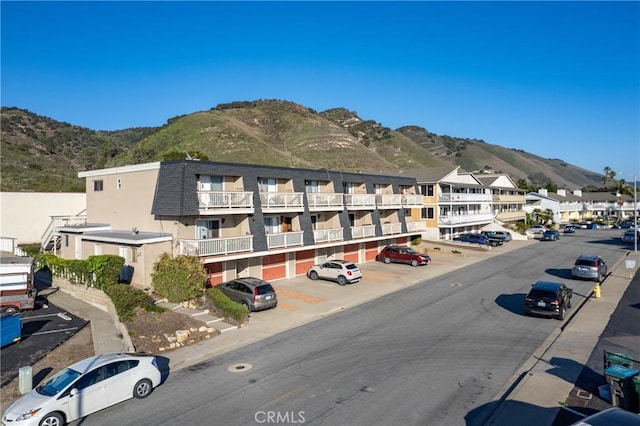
point(402, 254)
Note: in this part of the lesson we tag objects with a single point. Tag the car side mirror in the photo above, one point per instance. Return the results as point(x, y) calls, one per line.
point(74, 392)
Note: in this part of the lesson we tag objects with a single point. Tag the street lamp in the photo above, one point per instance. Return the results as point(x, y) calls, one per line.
point(635, 210)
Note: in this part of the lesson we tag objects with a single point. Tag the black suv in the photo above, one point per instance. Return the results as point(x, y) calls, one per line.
point(547, 298)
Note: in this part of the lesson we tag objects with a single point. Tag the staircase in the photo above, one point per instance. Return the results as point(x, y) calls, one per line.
point(50, 236)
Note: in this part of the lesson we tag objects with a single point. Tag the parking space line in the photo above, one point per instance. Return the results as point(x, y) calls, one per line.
point(50, 332)
point(24, 319)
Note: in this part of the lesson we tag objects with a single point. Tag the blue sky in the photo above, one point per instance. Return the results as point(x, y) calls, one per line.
point(557, 79)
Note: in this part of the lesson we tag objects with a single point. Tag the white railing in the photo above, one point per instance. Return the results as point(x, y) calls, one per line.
point(416, 226)
point(389, 201)
point(284, 239)
point(463, 197)
point(391, 228)
point(504, 198)
point(363, 231)
point(511, 215)
point(281, 200)
point(412, 200)
point(360, 200)
point(216, 246)
point(59, 222)
point(225, 199)
point(328, 235)
point(465, 218)
point(324, 200)
point(569, 207)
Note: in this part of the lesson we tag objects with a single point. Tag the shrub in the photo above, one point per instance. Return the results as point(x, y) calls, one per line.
point(126, 299)
point(416, 241)
point(228, 307)
point(178, 278)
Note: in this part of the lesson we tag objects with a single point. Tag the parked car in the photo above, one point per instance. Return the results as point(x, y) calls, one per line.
point(590, 268)
point(341, 271)
point(85, 387)
point(548, 298)
point(494, 235)
point(402, 254)
point(473, 239)
point(254, 293)
point(537, 229)
point(506, 234)
point(614, 416)
point(626, 225)
point(630, 235)
point(551, 235)
point(569, 229)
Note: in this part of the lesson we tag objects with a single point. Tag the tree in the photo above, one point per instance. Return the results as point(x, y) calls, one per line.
point(622, 189)
point(609, 176)
point(178, 279)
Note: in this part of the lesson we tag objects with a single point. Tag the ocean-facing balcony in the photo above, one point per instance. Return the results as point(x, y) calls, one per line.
point(216, 246)
point(284, 239)
point(389, 201)
point(391, 228)
point(360, 201)
point(282, 202)
point(363, 231)
point(328, 235)
point(449, 197)
point(465, 219)
point(416, 226)
point(225, 202)
point(325, 201)
point(412, 201)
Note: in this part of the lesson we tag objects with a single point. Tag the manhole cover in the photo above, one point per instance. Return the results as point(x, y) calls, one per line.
point(243, 366)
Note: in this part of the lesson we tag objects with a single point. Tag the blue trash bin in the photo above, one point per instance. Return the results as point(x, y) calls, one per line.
point(623, 393)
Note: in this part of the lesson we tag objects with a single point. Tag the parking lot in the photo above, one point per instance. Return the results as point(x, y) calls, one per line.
point(43, 329)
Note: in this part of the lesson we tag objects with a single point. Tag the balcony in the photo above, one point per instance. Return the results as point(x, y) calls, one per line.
point(360, 201)
point(324, 201)
point(509, 199)
point(328, 235)
point(216, 246)
point(456, 197)
point(391, 228)
point(284, 239)
point(388, 201)
point(571, 207)
point(416, 226)
point(510, 216)
point(363, 231)
point(465, 219)
point(225, 202)
point(412, 201)
point(282, 202)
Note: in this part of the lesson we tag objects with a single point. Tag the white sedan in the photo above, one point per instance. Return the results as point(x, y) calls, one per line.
point(85, 387)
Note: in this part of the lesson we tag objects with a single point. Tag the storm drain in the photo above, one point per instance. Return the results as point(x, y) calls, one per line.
point(237, 368)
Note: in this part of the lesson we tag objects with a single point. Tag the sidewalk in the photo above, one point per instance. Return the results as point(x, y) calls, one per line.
point(536, 392)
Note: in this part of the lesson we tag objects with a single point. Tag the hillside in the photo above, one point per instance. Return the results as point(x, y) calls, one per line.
point(41, 154)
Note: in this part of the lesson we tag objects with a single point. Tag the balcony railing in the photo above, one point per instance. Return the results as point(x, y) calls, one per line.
point(59, 222)
point(391, 228)
point(360, 201)
point(325, 201)
point(463, 197)
point(216, 246)
point(388, 201)
point(228, 200)
point(465, 219)
point(284, 239)
point(416, 226)
point(328, 235)
point(505, 198)
point(510, 216)
point(568, 207)
point(282, 201)
point(412, 200)
point(363, 231)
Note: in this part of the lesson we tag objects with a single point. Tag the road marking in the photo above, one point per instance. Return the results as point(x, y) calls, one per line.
point(299, 296)
point(42, 316)
point(50, 332)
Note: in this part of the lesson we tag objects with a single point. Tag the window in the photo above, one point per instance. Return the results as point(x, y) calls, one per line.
point(210, 183)
point(312, 186)
point(98, 185)
point(272, 224)
point(267, 185)
point(66, 241)
point(427, 190)
point(427, 213)
point(349, 187)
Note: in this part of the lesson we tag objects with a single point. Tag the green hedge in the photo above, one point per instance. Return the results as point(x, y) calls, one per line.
point(126, 299)
point(229, 308)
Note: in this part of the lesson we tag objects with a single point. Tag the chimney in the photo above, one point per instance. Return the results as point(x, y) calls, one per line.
point(577, 192)
point(562, 192)
point(543, 191)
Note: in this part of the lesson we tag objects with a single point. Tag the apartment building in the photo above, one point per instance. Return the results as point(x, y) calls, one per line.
point(455, 202)
point(507, 200)
point(238, 219)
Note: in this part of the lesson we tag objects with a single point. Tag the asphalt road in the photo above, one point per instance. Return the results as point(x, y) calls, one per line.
point(43, 329)
point(435, 353)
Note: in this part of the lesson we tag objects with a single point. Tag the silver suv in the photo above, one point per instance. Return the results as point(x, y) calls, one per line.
point(589, 268)
point(254, 293)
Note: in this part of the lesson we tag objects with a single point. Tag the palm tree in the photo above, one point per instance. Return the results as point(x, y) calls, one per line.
point(609, 176)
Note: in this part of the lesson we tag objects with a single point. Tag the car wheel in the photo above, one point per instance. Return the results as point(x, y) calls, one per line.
point(387, 260)
point(52, 419)
point(414, 262)
point(569, 304)
point(562, 313)
point(142, 389)
point(342, 280)
point(313, 275)
point(11, 310)
point(246, 305)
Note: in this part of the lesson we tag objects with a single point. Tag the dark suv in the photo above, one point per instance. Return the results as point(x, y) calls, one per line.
point(548, 298)
point(254, 293)
point(589, 268)
point(402, 254)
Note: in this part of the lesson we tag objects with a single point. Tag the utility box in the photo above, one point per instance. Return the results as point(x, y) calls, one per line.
point(25, 379)
point(621, 380)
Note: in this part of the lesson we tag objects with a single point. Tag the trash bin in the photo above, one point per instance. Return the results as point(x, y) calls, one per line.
point(613, 358)
point(623, 393)
point(636, 382)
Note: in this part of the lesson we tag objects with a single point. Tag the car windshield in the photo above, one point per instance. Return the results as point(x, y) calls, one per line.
point(265, 289)
point(411, 251)
point(351, 266)
point(58, 382)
